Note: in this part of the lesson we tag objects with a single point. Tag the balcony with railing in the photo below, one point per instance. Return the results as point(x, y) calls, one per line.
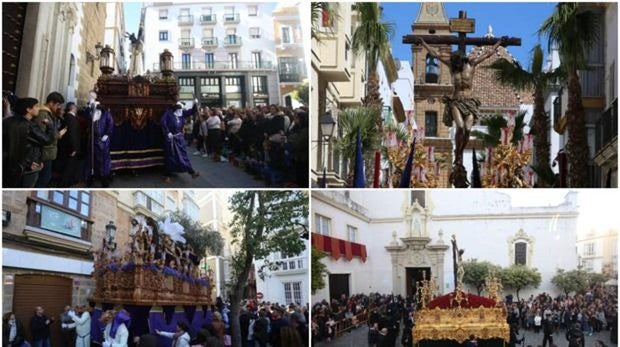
point(231, 18)
point(209, 42)
point(186, 43)
point(208, 19)
point(232, 40)
point(209, 65)
point(592, 81)
point(186, 20)
point(290, 266)
point(290, 77)
point(607, 127)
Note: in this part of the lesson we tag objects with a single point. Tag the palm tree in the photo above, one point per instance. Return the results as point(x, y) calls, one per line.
point(364, 119)
point(573, 31)
point(372, 37)
point(511, 73)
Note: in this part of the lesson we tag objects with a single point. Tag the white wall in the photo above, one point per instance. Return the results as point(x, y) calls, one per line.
point(483, 224)
point(611, 49)
point(272, 287)
point(153, 25)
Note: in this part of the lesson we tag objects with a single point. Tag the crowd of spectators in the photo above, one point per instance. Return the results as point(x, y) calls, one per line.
point(268, 142)
point(382, 313)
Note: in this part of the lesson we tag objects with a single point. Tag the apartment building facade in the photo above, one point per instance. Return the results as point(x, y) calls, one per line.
point(338, 81)
point(224, 54)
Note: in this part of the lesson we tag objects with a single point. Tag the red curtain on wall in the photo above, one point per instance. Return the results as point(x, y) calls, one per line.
point(337, 248)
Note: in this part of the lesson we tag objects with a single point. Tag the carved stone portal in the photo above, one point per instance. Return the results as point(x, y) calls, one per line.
point(416, 252)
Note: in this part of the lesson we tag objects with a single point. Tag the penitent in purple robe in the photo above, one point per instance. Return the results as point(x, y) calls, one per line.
point(174, 149)
point(100, 150)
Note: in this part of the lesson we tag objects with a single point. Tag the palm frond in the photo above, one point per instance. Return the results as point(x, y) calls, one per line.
point(316, 16)
point(512, 74)
point(351, 119)
point(372, 36)
point(537, 60)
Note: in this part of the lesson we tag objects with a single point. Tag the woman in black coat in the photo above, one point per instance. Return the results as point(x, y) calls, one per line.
point(13, 334)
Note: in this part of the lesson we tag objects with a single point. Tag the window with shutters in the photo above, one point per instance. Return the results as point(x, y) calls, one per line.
point(322, 224)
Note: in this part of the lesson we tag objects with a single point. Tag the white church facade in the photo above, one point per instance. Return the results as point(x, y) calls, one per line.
point(385, 241)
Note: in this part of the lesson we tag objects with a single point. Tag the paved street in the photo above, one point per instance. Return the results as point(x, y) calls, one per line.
point(212, 175)
point(359, 338)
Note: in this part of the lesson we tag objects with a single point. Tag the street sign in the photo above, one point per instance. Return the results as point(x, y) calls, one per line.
point(259, 295)
point(462, 25)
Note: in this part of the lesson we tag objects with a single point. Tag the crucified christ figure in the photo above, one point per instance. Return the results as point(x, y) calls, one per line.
point(461, 107)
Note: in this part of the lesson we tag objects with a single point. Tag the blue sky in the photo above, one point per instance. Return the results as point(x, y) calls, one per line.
point(515, 19)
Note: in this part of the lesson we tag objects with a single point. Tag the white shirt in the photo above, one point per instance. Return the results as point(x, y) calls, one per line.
point(182, 341)
point(235, 125)
point(13, 332)
point(213, 122)
point(82, 324)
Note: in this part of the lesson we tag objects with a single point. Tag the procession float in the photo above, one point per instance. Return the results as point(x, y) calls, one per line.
point(155, 278)
point(136, 100)
point(452, 319)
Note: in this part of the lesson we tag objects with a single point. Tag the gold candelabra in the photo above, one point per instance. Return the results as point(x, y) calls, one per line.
point(493, 287)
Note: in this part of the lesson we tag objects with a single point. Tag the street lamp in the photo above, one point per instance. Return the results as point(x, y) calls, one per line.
point(106, 61)
point(328, 124)
point(110, 230)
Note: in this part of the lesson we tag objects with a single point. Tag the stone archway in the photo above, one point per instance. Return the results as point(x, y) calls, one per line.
point(415, 252)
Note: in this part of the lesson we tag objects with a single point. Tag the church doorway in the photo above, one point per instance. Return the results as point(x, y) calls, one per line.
point(415, 275)
point(338, 285)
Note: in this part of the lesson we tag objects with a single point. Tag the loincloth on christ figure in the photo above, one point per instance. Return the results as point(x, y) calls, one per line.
point(466, 106)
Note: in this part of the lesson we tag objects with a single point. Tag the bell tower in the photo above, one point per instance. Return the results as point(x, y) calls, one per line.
point(432, 81)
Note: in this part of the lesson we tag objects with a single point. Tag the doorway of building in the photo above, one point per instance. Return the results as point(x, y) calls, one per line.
point(52, 293)
point(338, 285)
point(415, 275)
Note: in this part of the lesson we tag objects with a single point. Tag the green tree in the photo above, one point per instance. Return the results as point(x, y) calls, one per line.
point(263, 222)
point(494, 124)
point(476, 273)
point(365, 119)
point(519, 277)
point(202, 239)
point(511, 73)
point(570, 281)
point(574, 31)
point(319, 270)
point(596, 278)
point(301, 93)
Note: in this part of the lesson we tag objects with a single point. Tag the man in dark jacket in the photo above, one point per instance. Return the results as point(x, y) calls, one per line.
point(40, 328)
point(23, 141)
point(575, 336)
point(547, 331)
point(69, 148)
point(261, 328)
point(244, 323)
point(277, 323)
point(49, 117)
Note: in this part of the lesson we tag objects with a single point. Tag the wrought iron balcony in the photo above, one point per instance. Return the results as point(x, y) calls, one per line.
point(207, 65)
point(186, 20)
point(231, 18)
point(186, 42)
point(209, 42)
point(232, 40)
point(607, 127)
point(208, 19)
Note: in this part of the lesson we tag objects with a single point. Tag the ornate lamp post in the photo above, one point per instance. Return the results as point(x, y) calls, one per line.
point(328, 124)
point(165, 63)
point(106, 61)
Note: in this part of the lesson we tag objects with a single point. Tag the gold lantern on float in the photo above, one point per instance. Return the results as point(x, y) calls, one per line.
point(106, 60)
point(166, 63)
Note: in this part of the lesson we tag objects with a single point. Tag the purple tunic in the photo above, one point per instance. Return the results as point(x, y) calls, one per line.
point(103, 164)
point(174, 149)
